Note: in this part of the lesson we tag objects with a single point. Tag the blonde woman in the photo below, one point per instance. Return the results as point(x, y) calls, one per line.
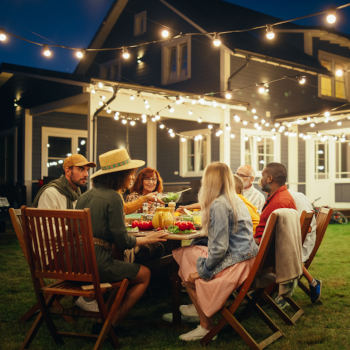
point(211, 273)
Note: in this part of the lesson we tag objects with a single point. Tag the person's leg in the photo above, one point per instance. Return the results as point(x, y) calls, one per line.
point(205, 322)
point(314, 285)
point(138, 286)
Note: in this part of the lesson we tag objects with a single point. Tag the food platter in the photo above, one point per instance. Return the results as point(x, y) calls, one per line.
point(172, 236)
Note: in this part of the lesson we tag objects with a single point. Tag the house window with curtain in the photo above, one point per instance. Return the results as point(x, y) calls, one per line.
point(334, 86)
point(321, 160)
point(57, 144)
point(176, 60)
point(195, 154)
point(259, 148)
point(140, 23)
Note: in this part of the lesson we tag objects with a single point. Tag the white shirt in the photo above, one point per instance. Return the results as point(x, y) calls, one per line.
point(52, 199)
point(303, 203)
point(255, 197)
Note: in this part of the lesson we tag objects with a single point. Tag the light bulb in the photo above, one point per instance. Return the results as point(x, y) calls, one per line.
point(47, 52)
point(161, 126)
point(232, 136)
point(253, 110)
point(165, 33)
point(327, 114)
point(132, 122)
point(100, 85)
point(302, 80)
point(331, 17)
point(270, 35)
point(183, 139)
point(125, 54)
point(339, 72)
point(236, 118)
point(210, 126)
point(79, 54)
point(228, 95)
point(3, 36)
point(217, 42)
point(124, 121)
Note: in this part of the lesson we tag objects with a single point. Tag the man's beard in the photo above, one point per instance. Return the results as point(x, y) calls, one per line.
point(265, 187)
point(78, 183)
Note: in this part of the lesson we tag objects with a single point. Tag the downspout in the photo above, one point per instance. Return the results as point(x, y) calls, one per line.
point(94, 120)
point(247, 59)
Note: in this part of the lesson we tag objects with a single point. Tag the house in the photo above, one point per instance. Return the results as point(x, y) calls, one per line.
point(306, 127)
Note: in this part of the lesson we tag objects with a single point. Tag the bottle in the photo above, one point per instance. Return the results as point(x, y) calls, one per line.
point(172, 205)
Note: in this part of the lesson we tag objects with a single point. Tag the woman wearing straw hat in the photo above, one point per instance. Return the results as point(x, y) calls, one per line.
point(107, 217)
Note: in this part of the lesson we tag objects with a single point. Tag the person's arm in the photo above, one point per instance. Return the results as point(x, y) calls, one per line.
point(181, 208)
point(132, 205)
point(218, 240)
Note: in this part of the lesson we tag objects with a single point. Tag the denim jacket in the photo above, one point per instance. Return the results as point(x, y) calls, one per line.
point(227, 244)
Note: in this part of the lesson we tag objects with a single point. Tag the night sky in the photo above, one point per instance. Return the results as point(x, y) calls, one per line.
point(74, 23)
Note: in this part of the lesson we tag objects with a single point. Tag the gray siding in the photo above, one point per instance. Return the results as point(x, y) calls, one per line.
point(284, 150)
point(54, 120)
point(168, 149)
point(342, 192)
point(113, 134)
point(302, 188)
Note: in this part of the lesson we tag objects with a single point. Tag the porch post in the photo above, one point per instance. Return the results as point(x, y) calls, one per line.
point(225, 154)
point(91, 128)
point(293, 156)
point(151, 144)
point(28, 143)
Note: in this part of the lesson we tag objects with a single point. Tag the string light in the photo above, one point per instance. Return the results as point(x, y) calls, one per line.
point(165, 33)
point(339, 72)
point(210, 126)
point(331, 17)
point(3, 36)
point(125, 54)
point(302, 80)
point(228, 95)
point(116, 116)
point(132, 122)
point(79, 54)
point(232, 136)
point(124, 121)
point(217, 42)
point(47, 52)
point(270, 34)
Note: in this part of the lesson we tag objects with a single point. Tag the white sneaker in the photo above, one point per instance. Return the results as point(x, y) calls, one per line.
point(91, 306)
point(168, 317)
point(188, 310)
point(196, 334)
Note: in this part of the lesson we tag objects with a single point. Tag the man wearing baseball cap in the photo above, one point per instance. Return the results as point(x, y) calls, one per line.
point(63, 193)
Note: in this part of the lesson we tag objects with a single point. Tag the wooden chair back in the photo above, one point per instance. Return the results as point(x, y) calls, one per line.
point(305, 222)
point(322, 220)
point(60, 247)
point(16, 220)
point(228, 314)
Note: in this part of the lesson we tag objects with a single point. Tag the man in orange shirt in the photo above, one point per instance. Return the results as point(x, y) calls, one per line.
point(273, 181)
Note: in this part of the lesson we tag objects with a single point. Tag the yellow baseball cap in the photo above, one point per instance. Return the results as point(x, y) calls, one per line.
point(77, 160)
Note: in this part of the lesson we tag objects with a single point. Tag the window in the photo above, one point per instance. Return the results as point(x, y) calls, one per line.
point(176, 61)
point(333, 86)
point(321, 160)
point(259, 148)
point(58, 144)
point(140, 23)
point(342, 158)
point(195, 154)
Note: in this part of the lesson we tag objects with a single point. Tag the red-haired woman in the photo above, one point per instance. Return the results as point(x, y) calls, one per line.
point(146, 186)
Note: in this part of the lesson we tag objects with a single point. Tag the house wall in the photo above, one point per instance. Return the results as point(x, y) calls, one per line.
point(112, 134)
point(168, 150)
point(323, 45)
point(149, 71)
point(286, 97)
point(55, 120)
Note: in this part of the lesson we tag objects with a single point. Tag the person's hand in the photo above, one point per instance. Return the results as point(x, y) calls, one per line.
point(180, 209)
point(153, 197)
point(193, 276)
point(157, 236)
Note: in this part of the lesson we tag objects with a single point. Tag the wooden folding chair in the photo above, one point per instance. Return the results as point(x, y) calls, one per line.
point(60, 246)
point(229, 313)
point(322, 220)
point(305, 222)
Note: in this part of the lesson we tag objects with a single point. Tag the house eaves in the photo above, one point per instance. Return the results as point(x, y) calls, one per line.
point(101, 35)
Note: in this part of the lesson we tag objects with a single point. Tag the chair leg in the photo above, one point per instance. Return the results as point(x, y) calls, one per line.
point(30, 313)
point(107, 325)
point(32, 331)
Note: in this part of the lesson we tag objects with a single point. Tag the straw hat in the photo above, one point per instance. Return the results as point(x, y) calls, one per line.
point(116, 160)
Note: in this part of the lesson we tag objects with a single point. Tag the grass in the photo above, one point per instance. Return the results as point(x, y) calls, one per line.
point(323, 326)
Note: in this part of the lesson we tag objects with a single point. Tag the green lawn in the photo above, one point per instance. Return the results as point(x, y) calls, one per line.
point(323, 326)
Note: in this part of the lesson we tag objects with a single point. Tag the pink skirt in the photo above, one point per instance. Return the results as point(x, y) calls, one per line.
point(211, 294)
